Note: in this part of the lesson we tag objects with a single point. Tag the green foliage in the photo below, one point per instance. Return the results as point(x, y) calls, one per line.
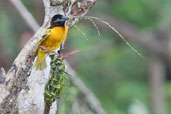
point(108, 72)
point(136, 12)
point(57, 81)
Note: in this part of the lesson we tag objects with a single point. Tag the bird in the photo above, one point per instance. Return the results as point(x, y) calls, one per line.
point(51, 39)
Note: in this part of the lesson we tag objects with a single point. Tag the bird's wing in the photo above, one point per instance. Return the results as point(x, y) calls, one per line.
point(45, 35)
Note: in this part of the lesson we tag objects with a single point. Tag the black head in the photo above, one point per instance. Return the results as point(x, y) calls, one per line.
point(58, 20)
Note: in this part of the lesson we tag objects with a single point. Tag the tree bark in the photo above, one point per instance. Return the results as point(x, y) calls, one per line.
point(157, 74)
point(23, 88)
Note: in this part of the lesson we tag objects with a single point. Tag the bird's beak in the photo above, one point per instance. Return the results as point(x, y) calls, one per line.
point(65, 17)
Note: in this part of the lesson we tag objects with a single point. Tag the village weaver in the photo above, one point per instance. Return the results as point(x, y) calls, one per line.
point(51, 39)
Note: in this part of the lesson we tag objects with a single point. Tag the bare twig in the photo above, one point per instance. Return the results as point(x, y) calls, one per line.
point(47, 109)
point(156, 79)
point(31, 22)
point(89, 96)
point(131, 32)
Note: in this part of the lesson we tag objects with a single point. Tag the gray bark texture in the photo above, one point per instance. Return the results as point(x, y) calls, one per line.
point(23, 87)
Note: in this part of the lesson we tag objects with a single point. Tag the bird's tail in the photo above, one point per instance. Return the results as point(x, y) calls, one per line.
point(40, 63)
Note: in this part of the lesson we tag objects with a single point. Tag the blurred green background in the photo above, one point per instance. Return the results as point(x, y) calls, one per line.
point(116, 74)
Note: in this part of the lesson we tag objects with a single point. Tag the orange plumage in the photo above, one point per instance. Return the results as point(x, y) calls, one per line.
point(52, 39)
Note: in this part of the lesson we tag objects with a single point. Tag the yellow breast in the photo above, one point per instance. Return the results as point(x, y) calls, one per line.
point(56, 37)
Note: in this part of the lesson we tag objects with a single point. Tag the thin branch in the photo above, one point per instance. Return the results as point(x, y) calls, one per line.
point(156, 79)
point(131, 32)
point(47, 109)
point(31, 22)
point(89, 96)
